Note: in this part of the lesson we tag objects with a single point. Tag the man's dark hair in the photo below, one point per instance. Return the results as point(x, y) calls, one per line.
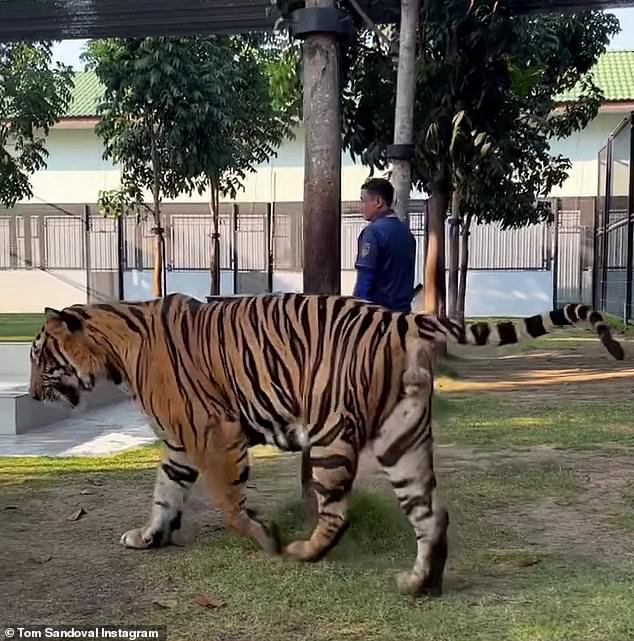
point(380, 187)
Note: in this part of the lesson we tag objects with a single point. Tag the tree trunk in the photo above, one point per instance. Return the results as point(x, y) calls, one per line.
point(464, 266)
point(322, 175)
point(404, 110)
point(435, 257)
point(159, 253)
point(159, 250)
point(454, 254)
point(214, 210)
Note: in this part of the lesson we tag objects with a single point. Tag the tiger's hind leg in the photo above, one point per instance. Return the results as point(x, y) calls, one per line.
point(174, 480)
point(403, 447)
point(333, 470)
point(225, 469)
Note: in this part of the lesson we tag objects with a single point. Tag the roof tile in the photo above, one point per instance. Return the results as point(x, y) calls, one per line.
point(86, 95)
point(614, 73)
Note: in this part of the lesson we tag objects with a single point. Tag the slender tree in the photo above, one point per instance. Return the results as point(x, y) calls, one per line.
point(182, 115)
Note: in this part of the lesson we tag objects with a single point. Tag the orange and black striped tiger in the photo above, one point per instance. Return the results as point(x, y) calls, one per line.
point(321, 374)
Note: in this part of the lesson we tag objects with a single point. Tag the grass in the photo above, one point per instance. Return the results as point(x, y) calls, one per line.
point(490, 422)
point(507, 578)
point(625, 519)
point(20, 469)
point(498, 585)
point(19, 327)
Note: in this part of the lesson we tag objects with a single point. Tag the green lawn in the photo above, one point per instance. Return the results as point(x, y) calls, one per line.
point(19, 327)
point(541, 537)
point(499, 584)
point(489, 422)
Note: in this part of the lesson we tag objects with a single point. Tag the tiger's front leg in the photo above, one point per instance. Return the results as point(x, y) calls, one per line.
point(174, 480)
point(225, 468)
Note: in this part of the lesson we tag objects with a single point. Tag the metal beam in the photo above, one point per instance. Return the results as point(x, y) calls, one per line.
point(74, 19)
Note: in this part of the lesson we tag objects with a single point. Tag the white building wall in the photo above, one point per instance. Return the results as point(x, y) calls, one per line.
point(583, 148)
point(77, 172)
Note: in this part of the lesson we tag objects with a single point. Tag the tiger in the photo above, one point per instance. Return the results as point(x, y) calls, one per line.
point(324, 375)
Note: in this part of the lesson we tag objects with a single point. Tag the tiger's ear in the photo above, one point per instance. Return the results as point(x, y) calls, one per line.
point(51, 314)
point(73, 323)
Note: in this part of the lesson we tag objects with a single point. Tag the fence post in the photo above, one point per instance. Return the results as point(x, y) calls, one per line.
point(557, 203)
point(630, 230)
point(120, 256)
point(595, 230)
point(235, 213)
point(606, 222)
point(28, 242)
point(87, 257)
point(13, 240)
point(270, 222)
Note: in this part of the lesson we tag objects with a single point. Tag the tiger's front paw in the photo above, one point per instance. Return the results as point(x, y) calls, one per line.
point(143, 538)
point(300, 551)
point(417, 585)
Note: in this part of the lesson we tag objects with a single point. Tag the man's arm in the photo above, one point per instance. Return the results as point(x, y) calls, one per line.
point(366, 264)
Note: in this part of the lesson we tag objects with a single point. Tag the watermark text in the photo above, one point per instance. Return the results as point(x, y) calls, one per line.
point(90, 632)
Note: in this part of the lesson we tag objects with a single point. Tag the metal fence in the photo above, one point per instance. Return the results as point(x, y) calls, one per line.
point(257, 238)
point(615, 223)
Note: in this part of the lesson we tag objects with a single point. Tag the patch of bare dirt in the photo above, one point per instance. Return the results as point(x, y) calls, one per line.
point(584, 523)
point(579, 372)
point(58, 570)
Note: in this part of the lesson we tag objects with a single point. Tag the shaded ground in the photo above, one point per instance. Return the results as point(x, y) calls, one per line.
point(536, 464)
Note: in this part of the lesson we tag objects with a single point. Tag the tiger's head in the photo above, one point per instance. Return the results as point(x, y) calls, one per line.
point(65, 360)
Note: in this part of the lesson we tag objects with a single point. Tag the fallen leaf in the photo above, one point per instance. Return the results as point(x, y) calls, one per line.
point(76, 515)
point(210, 602)
point(525, 563)
point(86, 492)
point(43, 558)
point(165, 602)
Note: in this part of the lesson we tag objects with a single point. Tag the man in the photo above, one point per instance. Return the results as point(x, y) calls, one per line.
point(387, 251)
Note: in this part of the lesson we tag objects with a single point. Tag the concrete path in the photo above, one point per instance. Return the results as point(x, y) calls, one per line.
point(99, 432)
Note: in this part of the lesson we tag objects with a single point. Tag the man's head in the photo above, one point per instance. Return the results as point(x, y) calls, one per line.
point(377, 195)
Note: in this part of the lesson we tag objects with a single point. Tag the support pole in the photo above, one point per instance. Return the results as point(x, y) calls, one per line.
point(319, 24)
point(454, 254)
point(402, 151)
point(322, 174)
point(627, 312)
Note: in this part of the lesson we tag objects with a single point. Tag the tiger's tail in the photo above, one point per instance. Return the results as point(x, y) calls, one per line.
point(515, 331)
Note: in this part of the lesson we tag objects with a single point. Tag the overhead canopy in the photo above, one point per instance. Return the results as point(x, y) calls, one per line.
point(72, 19)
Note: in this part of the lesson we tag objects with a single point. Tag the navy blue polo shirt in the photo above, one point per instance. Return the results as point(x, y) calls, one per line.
point(385, 263)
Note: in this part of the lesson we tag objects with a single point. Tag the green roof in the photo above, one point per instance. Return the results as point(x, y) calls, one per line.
point(614, 73)
point(86, 95)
